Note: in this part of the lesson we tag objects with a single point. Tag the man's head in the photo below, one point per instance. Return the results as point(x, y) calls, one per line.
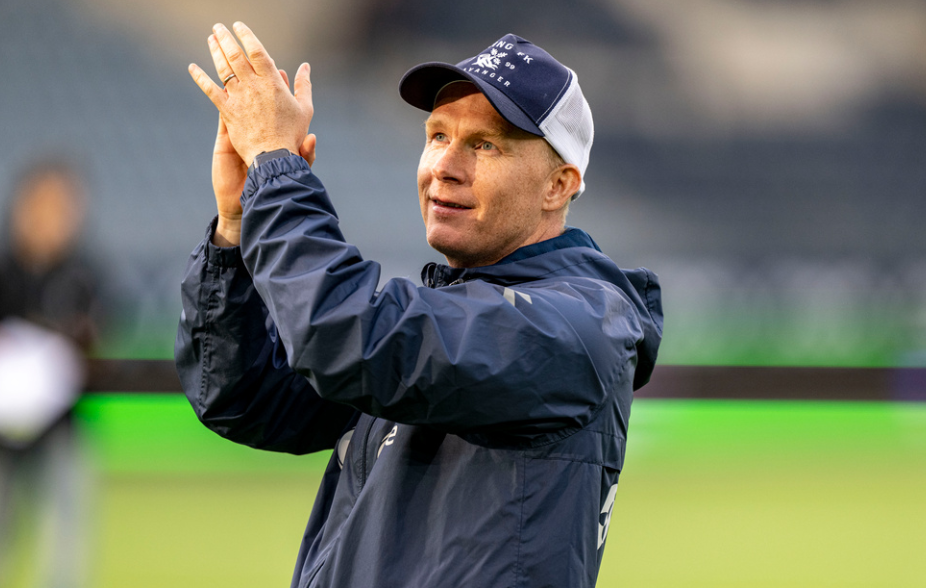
point(507, 145)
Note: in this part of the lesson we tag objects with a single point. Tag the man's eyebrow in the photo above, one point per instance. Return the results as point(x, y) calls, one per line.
point(491, 132)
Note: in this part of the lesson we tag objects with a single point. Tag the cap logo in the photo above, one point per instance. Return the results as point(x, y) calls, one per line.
point(490, 60)
point(487, 64)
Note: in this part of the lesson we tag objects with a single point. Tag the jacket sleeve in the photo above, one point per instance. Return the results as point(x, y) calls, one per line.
point(232, 368)
point(470, 358)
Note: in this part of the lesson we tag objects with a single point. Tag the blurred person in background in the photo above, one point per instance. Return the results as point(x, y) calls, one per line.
point(49, 320)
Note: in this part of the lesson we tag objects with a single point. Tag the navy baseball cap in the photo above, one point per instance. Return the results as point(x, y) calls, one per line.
point(526, 85)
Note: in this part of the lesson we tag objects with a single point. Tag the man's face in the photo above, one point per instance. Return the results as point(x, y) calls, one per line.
point(481, 181)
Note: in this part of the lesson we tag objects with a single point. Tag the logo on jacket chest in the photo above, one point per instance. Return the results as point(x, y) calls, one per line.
point(389, 439)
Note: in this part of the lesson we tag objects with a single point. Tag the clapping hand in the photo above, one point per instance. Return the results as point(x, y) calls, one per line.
point(257, 113)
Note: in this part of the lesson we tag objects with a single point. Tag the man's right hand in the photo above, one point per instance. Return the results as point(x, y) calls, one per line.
point(229, 173)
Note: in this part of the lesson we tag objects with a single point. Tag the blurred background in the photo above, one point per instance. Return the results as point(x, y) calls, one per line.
point(767, 158)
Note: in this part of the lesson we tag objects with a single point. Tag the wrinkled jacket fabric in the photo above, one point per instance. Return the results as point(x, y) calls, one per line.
point(478, 422)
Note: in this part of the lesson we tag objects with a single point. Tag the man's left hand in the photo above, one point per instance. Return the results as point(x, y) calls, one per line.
point(259, 111)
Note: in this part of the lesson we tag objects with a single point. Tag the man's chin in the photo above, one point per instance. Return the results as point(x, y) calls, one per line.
point(443, 248)
point(453, 249)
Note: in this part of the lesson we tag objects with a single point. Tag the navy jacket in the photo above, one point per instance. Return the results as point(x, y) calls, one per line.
point(478, 421)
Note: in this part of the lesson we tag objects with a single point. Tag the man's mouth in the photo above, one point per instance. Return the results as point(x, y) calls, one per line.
point(449, 204)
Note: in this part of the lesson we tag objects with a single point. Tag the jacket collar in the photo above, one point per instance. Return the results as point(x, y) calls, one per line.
point(437, 275)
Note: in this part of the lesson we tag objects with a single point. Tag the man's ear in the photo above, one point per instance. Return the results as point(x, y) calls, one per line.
point(564, 182)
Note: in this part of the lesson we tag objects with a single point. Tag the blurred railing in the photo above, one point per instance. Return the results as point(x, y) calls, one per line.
point(668, 381)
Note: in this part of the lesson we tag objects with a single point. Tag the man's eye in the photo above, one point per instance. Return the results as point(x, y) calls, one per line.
point(487, 146)
point(439, 136)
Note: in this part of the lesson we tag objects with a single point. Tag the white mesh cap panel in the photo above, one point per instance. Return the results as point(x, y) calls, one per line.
point(569, 128)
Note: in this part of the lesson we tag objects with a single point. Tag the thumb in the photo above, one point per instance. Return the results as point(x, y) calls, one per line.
point(223, 129)
point(222, 140)
point(307, 149)
point(302, 88)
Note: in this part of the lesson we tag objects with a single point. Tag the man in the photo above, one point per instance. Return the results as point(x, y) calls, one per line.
point(479, 421)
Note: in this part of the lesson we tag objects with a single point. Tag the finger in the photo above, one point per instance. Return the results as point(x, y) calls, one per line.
point(307, 149)
point(303, 88)
point(223, 145)
point(236, 58)
point(222, 68)
point(260, 60)
point(285, 78)
point(209, 88)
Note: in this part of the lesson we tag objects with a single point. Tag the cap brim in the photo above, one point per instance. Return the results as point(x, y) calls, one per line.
point(421, 84)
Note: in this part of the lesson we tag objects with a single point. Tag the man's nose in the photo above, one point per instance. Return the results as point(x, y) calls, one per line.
point(450, 164)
